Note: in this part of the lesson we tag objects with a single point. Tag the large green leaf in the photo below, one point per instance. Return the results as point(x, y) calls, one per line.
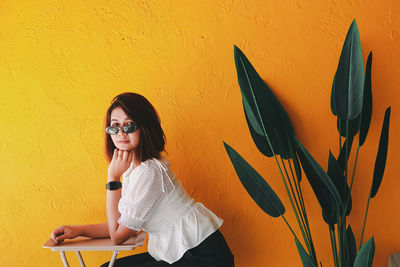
point(256, 131)
point(380, 161)
point(342, 155)
point(365, 256)
point(339, 180)
point(367, 102)
point(262, 110)
point(348, 83)
point(351, 245)
point(255, 185)
point(305, 258)
point(333, 100)
point(324, 189)
point(366, 112)
point(336, 174)
point(354, 126)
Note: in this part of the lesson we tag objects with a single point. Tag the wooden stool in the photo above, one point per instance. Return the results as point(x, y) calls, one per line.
point(394, 260)
point(90, 244)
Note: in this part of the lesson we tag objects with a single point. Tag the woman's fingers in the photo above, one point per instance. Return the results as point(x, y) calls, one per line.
point(57, 232)
point(53, 237)
point(62, 237)
point(119, 154)
point(115, 154)
point(125, 155)
point(122, 157)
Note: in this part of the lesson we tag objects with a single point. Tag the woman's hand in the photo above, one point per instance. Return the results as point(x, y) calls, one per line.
point(64, 232)
point(120, 162)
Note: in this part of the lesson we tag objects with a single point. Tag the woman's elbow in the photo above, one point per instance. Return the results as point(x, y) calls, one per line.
point(117, 241)
point(121, 234)
point(118, 238)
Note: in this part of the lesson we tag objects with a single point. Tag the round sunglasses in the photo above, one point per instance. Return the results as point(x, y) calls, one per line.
point(128, 128)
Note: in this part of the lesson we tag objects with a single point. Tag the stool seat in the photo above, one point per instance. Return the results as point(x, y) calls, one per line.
point(394, 260)
point(94, 244)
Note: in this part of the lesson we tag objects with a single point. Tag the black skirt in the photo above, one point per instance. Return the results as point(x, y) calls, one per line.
point(212, 252)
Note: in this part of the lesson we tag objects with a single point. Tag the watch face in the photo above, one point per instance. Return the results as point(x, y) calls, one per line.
point(113, 185)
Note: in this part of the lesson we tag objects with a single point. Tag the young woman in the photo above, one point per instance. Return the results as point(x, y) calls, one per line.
point(182, 232)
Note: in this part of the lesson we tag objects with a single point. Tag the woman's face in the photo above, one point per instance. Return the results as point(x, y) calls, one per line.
point(122, 140)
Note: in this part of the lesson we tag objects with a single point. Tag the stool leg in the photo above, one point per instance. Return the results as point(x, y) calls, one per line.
point(64, 259)
point(78, 254)
point(114, 256)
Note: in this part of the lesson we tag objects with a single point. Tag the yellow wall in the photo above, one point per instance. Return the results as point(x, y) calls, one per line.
point(61, 62)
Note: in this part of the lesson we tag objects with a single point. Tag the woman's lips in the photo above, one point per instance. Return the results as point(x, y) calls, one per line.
point(124, 142)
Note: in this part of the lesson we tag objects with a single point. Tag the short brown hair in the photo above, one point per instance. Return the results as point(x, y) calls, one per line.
point(141, 111)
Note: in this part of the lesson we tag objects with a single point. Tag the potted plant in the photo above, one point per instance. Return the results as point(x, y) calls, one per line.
point(274, 136)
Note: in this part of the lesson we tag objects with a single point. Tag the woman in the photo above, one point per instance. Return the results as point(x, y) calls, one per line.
point(182, 232)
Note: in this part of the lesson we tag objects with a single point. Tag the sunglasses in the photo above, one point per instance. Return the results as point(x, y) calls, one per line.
point(128, 128)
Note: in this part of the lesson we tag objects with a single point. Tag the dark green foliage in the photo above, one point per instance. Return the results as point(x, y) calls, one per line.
point(325, 191)
point(335, 172)
point(354, 126)
point(367, 102)
point(262, 110)
point(273, 134)
point(348, 84)
point(342, 155)
point(365, 256)
point(305, 258)
point(255, 185)
point(380, 161)
point(351, 245)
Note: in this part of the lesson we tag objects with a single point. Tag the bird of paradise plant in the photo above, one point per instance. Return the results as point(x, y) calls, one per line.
point(274, 136)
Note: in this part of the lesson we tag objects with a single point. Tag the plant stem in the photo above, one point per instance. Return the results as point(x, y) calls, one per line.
point(299, 220)
point(347, 154)
point(344, 241)
point(340, 136)
point(333, 244)
point(342, 218)
point(291, 188)
point(300, 196)
point(354, 169)
point(355, 165)
point(358, 147)
point(352, 178)
point(365, 220)
point(283, 217)
point(293, 193)
point(340, 242)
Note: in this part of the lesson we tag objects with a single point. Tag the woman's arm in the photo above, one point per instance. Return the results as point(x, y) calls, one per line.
point(72, 231)
point(95, 230)
point(119, 164)
point(118, 232)
point(119, 235)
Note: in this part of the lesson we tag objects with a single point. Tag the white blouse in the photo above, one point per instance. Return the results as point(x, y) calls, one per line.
point(153, 200)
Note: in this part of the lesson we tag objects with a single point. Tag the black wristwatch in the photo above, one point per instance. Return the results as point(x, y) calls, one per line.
point(113, 185)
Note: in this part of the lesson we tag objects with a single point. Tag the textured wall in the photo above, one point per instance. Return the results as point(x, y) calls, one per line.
point(61, 62)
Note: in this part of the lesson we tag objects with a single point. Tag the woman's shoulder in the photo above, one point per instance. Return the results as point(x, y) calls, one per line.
point(155, 163)
point(152, 165)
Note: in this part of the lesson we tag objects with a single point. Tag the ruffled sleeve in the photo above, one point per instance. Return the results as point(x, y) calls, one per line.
point(144, 192)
